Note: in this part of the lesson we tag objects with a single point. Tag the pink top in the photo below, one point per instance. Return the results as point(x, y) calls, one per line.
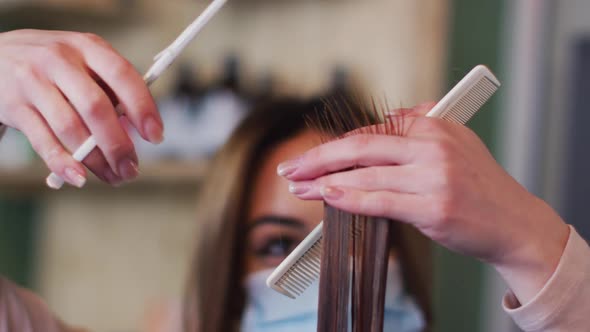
point(562, 305)
point(564, 302)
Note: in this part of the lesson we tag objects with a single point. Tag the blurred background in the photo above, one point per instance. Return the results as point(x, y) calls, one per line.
point(111, 260)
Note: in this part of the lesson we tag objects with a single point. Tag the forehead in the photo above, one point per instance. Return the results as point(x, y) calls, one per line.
point(270, 193)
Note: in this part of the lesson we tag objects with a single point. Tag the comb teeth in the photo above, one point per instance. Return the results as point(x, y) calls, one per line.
point(304, 272)
point(301, 268)
point(471, 101)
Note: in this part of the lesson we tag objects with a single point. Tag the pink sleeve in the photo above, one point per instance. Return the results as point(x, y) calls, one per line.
point(23, 311)
point(564, 302)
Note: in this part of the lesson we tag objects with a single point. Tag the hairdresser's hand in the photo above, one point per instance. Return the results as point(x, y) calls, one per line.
point(441, 179)
point(60, 87)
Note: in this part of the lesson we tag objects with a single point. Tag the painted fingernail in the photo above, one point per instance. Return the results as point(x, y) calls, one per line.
point(128, 169)
point(54, 181)
point(331, 193)
point(153, 130)
point(74, 177)
point(289, 167)
point(112, 178)
point(299, 188)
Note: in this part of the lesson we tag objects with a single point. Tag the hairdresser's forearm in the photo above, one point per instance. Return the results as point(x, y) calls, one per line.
point(529, 268)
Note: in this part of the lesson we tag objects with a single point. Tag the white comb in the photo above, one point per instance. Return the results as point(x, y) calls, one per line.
point(302, 267)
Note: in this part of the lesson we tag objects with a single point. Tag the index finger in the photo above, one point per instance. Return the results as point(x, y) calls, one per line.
point(359, 150)
point(126, 84)
point(361, 147)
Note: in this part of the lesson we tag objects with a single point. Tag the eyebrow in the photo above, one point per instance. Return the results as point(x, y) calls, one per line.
point(275, 220)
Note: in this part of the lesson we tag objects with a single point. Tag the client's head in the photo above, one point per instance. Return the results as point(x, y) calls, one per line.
point(249, 222)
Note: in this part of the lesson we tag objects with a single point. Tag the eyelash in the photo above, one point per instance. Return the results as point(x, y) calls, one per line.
point(271, 247)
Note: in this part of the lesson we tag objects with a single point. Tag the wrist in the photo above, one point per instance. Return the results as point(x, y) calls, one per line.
point(537, 254)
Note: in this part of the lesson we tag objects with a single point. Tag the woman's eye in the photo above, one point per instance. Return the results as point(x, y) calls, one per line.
point(276, 248)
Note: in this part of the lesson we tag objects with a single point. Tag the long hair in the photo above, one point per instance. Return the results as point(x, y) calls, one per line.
point(214, 297)
point(366, 242)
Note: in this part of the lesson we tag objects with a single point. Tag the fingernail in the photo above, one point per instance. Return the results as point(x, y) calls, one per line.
point(74, 177)
point(112, 178)
point(299, 188)
point(153, 130)
point(289, 167)
point(54, 181)
point(331, 193)
point(128, 169)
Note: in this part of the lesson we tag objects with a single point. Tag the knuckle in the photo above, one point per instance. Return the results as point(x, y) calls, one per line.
point(119, 150)
point(25, 71)
point(96, 105)
point(360, 142)
point(121, 68)
point(146, 104)
point(67, 126)
point(56, 51)
point(91, 37)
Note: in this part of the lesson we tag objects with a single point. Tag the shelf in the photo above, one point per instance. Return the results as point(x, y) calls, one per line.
point(16, 14)
point(176, 175)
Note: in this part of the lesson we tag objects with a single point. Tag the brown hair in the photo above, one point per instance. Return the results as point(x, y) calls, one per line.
point(364, 241)
point(214, 297)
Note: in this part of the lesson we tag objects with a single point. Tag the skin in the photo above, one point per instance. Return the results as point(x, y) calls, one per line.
point(277, 221)
point(59, 87)
point(441, 179)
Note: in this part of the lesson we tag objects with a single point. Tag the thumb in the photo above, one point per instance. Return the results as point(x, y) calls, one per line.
point(418, 110)
point(423, 108)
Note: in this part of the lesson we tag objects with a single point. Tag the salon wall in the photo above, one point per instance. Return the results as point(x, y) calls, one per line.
point(566, 182)
point(394, 48)
point(104, 256)
point(465, 298)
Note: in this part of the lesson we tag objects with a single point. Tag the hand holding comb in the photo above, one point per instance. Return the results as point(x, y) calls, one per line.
point(302, 266)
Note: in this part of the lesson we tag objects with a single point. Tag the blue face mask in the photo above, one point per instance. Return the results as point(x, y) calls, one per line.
point(267, 310)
